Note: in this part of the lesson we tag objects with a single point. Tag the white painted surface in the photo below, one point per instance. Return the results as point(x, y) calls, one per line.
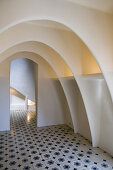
point(79, 111)
point(17, 103)
point(83, 123)
point(98, 37)
point(106, 120)
point(22, 77)
point(101, 5)
point(92, 90)
point(63, 102)
point(72, 91)
point(50, 109)
point(4, 97)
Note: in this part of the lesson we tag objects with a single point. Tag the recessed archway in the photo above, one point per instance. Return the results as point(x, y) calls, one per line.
point(74, 69)
point(32, 49)
point(81, 28)
point(37, 59)
point(23, 88)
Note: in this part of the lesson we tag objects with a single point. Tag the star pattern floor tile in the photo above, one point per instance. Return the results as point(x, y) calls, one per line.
point(27, 147)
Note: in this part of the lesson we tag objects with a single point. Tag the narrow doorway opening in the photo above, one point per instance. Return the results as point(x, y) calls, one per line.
point(23, 89)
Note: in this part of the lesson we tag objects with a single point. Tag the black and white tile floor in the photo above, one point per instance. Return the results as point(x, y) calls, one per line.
point(27, 147)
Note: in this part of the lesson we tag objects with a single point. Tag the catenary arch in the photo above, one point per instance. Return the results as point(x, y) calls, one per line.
point(42, 63)
point(65, 52)
point(98, 40)
point(89, 122)
point(34, 56)
point(72, 48)
point(58, 65)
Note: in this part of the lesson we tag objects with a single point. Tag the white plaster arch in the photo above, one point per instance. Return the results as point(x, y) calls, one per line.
point(57, 64)
point(72, 65)
point(95, 28)
point(38, 60)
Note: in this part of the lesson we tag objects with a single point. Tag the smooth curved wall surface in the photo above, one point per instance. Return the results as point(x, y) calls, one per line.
point(57, 64)
point(69, 85)
point(61, 68)
point(50, 106)
point(106, 120)
point(98, 37)
point(89, 64)
point(67, 45)
point(4, 96)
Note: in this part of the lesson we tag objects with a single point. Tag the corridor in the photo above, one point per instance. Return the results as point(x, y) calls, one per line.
point(55, 148)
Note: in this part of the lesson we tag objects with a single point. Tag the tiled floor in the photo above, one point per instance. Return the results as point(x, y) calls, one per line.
point(54, 148)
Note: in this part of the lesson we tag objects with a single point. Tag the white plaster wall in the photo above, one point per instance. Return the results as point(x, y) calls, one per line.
point(60, 67)
point(95, 28)
point(17, 103)
point(72, 91)
point(103, 116)
point(92, 91)
point(79, 109)
point(83, 123)
point(89, 64)
point(16, 100)
point(50, 110)
point(68, 46)
point(4, 97)
point(22, 77)
point(106, 120)
point(63, 102)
